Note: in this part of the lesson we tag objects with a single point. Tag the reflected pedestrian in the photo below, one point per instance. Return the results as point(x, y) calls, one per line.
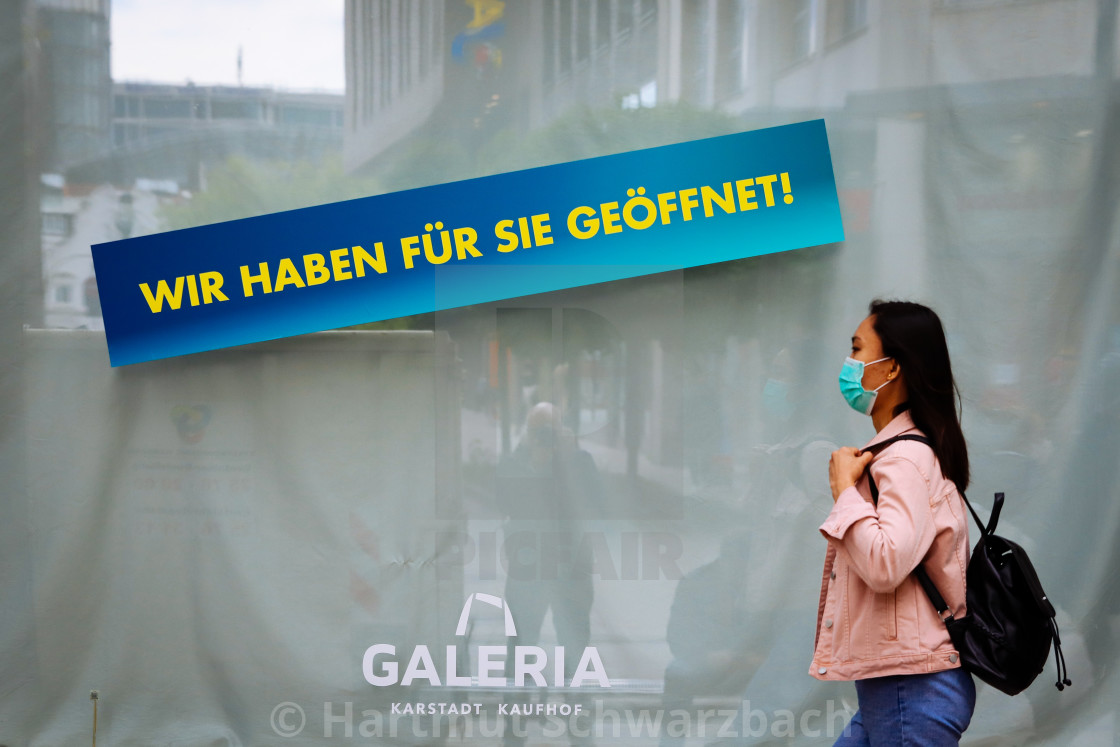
point(547, 488)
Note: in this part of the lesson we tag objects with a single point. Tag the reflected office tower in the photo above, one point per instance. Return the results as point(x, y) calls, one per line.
point(73, 40)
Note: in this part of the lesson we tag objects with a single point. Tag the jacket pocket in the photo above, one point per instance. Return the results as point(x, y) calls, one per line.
point(885, 610)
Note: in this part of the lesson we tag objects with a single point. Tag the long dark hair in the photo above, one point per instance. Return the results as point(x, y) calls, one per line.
point(912, 334)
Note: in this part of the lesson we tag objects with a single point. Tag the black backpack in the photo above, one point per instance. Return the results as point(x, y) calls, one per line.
point(1004, 639)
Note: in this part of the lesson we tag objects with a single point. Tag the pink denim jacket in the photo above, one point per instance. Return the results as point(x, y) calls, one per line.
point(874, 619)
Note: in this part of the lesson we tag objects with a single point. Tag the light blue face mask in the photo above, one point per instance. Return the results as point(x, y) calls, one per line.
point(851, 385)
point(775, 399)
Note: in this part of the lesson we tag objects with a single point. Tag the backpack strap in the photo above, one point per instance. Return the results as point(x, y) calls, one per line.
point(984, 530)
point(928, 586)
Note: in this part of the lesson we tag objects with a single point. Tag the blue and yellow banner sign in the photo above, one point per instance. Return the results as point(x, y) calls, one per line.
point(521, 233)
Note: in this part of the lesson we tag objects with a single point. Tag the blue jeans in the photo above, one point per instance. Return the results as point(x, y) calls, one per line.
point(912, 710)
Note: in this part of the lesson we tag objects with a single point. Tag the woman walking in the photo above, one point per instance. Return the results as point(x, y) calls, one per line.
point(875, 624)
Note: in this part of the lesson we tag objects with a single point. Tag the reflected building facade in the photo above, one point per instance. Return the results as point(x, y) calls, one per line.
point(975, 126)
point(172, 131)
point(394, 72)
point(469, 70)
point(902, 86)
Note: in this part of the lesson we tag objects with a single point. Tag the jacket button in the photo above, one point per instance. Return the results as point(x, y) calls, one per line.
point(832, 575)
point(828, 623)
point(952, 658)
point(822, 670)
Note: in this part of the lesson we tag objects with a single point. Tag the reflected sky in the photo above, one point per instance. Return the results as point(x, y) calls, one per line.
point(161, 42)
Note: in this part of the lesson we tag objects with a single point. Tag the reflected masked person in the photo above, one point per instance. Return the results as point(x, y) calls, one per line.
point(546, 488)
point(737, 622)
point(784, 472)
point(782, 505)
point(784, 493)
